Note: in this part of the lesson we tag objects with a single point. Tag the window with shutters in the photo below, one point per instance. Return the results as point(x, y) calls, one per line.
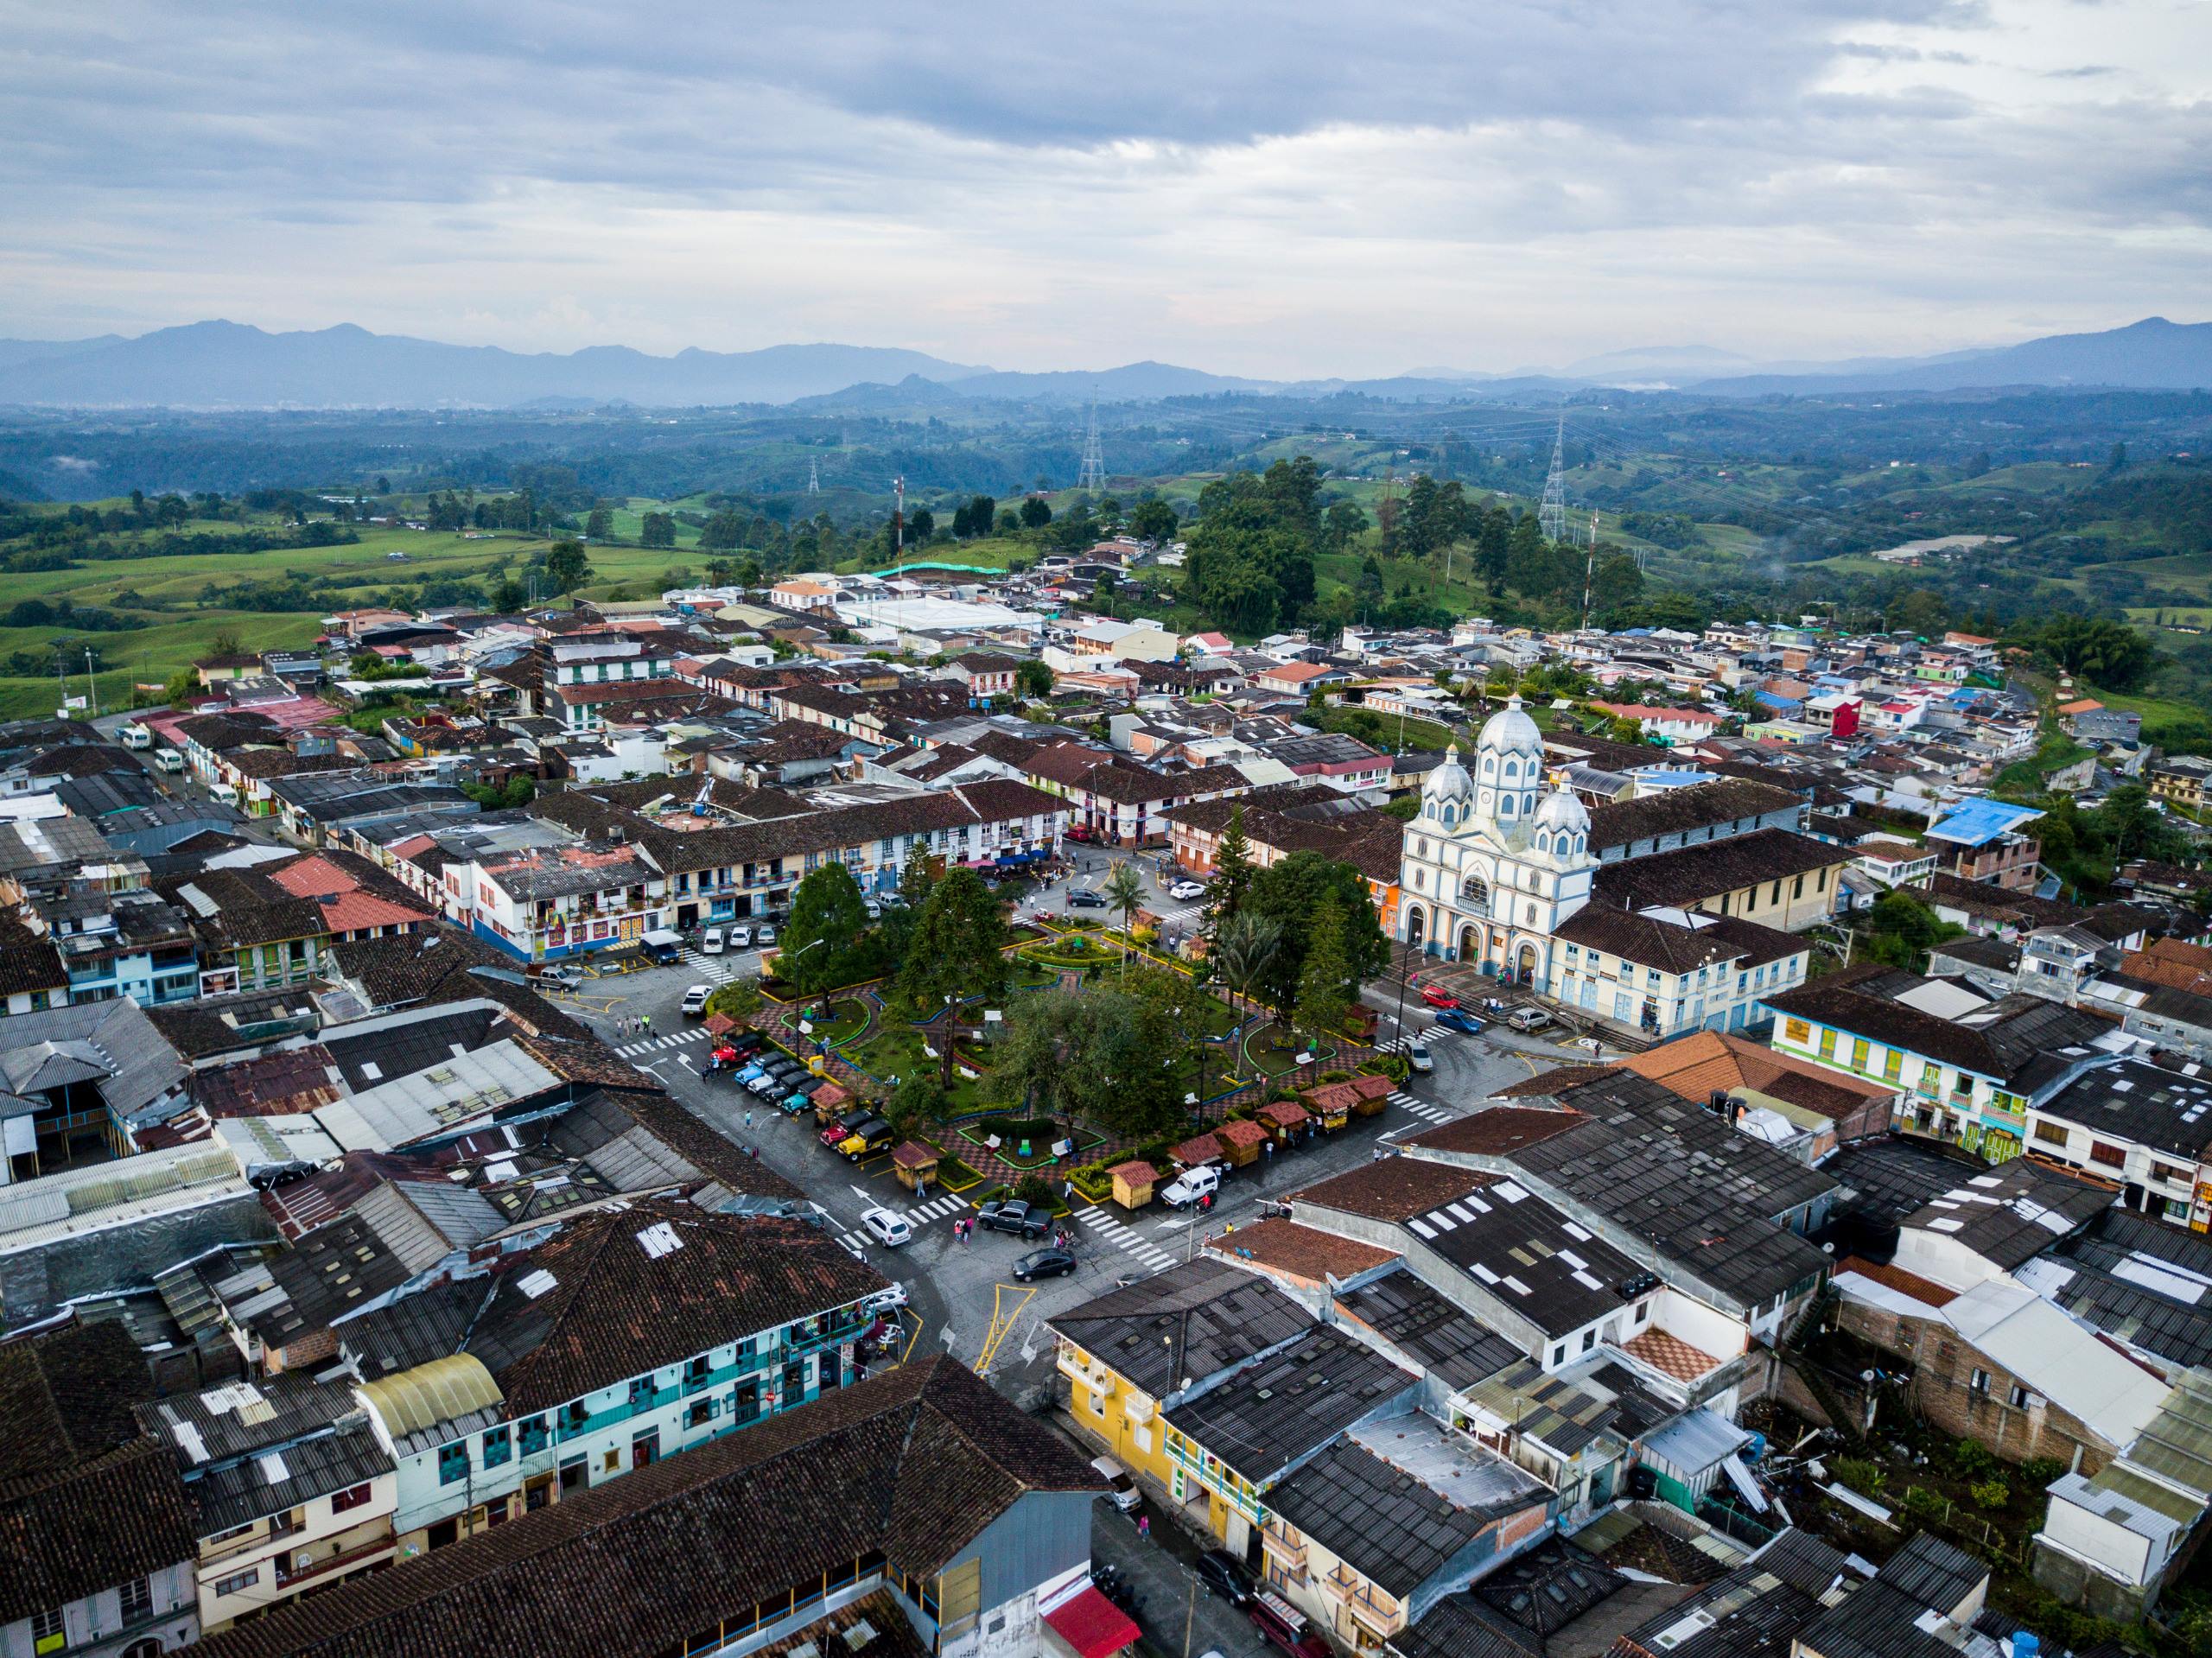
point(1797, 1031)
point(2112, 1157)
point(2051, 1134)
point(960, 1597)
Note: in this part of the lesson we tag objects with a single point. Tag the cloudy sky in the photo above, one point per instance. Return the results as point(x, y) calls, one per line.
point(1292, 188)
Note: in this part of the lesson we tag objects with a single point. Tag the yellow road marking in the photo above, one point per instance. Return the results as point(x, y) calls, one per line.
point(1003, 1321)
point(909, 1350)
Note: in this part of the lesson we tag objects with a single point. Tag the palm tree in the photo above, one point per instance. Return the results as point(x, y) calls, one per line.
point(1124, 891)
point(1241, 957)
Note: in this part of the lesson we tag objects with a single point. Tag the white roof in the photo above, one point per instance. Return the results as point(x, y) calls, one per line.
point(2057, 1356)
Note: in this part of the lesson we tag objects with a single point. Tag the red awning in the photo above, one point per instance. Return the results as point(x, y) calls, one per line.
point(1092, 1624)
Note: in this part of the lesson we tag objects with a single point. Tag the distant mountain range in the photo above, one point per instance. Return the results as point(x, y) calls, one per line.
point(231, 366)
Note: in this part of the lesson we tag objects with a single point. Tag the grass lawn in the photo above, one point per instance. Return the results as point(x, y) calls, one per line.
point(2025, 776)
point(896, 1050)
point(847, 1018)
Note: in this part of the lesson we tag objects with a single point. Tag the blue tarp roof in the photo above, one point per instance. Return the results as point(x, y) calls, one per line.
point(1977, 821)
point(1767, 699)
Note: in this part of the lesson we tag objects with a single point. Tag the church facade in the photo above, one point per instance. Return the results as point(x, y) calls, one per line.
point(1496, 862)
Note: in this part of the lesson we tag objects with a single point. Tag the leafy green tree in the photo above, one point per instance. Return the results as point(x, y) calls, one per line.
point(1901, 930)
point(566, 568)
point(1528, 567)
point(599, 524)
point(1326, 988)
point(1100, 1057)
point(1243, 955)
point(1494, 547)
point(1154, 521)
point(1292, 892)
point(1036, 512)
point(956, 947)
point(1032, 679)
point(1344, 523)
point(919, 1102)
point(823, 943)
point(657, 529)
point(739, 999)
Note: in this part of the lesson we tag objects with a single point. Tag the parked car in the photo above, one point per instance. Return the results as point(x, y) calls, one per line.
point(1082, 899)
point(867, 1138)
point(1186, 889)
point(1465, 1024)
point(1189, 1187)
point(1080, 833)
point(833, 1134)
point(763, 937)
point(168, 760)
point(1120, 1491)
point(1218, 1571)
point(1437, 996)
point(886, 1228)
point(711, 943)
point(567, 976)
point(695, 1001)
point(1528, 1019)
point(1283, 1626)
point(746, 1041)
point(1017, 1217)
point(766, 1083)
point(874, 908)
point(1418, 1058)
point(740, 938)
point(890, 1299)
point(1043, 1263)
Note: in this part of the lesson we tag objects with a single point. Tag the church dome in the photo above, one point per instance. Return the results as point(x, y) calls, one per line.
point(1447, 783)
point(1510, 731)
point(1560, 812)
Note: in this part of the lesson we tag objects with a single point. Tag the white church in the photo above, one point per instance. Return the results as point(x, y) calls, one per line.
point(1495, 863)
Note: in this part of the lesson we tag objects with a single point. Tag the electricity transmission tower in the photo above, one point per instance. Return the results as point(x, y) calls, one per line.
point(1093, 473)
point(1551, 517)
point(813, 476)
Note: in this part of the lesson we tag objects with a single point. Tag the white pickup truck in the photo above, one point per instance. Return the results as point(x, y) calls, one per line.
point(1191, 1185)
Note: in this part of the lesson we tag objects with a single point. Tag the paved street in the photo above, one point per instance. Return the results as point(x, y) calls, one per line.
point(967, 1290)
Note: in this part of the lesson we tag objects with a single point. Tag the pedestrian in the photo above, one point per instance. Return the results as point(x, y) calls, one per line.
point(1067, 1193)
point(1144, 1527)
point(748, 1118)
point(1267, 1151)
point(1379, 1154)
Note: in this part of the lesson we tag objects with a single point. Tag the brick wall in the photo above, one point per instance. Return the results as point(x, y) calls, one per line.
point(1944, 1391)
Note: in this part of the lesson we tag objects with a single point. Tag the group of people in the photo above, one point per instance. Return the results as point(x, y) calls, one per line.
point(634, 1025)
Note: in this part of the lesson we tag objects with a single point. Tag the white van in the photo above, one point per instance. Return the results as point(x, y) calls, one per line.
point(138, 736)
point(224, 794)
point(168, 759)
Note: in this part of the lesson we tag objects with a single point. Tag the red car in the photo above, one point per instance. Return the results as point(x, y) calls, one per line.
point(1436, 998)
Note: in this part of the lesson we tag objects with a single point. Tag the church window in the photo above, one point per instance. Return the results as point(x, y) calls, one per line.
point(1543, 841)
point(1512, 769)
point(1531, 916)
point(1505, 807)
point(1490, 765)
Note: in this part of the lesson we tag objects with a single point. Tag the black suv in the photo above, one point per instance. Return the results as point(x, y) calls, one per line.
point(1017, 1217)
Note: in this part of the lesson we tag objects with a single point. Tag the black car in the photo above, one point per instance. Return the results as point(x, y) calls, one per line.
point(1080, 900)
point(1017, 1217)
point(1043, 1263)
point(1218, 1571)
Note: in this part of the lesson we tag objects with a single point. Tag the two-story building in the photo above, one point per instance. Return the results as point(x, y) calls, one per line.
point(1986, 840)
point(634, 1334)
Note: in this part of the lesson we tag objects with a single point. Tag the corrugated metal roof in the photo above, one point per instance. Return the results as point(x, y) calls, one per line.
point(431, 1396)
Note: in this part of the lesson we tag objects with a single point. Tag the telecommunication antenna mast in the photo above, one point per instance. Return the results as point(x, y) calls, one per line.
point(1551, 517)
point(1092, 476)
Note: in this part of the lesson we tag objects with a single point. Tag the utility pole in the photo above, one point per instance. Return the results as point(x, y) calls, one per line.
point(1551, 517)
point(1092, 474)
point(1590, 570)
point(92, 684)
point(899, 521)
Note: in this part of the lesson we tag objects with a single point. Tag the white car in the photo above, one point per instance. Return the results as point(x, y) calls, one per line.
point(711, 943)
point(695, 1001)
point(885, 1300)
point(1417, 1056)
point(886, 1228)
point(1186, 889)
point(740, 938)
point(1191, 1185)
point(765, 936)
point(874, 908)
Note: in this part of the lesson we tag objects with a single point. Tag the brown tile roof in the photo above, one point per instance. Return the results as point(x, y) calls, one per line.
point(1241, 1133)
point(28, 960)
point(1690, 875)
point(1134, 1172)
point(732, 1277)
point(1546, 1084)
point(1499, 1132)
point(86, 1501)
point(1392, 1189)
point(1673, 812)
point(911, 1464)
point(1919, 1288)
point(1301, 1251)
point(1696, 1065)
point(1199, 1148)
point(1342, 1097)
point(1287, 1113)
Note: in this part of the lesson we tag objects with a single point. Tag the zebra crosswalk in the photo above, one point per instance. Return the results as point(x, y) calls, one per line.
point(715, 970)
point(1133, 1244)
point(1427, 1110)
point(661, 1044)
point(936, 1209)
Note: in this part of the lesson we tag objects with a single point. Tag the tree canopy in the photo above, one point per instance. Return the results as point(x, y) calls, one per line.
point(825, 943)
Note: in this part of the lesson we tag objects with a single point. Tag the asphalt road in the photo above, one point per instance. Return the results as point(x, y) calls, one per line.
point(963, 1296)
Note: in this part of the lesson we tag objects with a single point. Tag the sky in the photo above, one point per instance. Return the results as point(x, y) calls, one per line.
point(1297, 189)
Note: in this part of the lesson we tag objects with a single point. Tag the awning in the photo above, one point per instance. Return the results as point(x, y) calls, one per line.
point(1092, 1624)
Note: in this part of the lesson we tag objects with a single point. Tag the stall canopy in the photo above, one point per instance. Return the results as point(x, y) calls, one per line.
point(1092, 1624)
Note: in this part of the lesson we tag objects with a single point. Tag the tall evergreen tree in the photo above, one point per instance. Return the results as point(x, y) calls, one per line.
point(1325, 985)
